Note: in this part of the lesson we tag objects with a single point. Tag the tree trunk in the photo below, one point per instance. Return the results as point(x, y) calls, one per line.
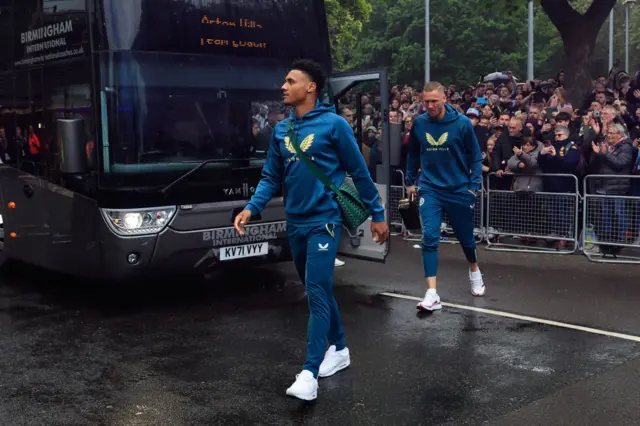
point(579, 33)
point(579, 43)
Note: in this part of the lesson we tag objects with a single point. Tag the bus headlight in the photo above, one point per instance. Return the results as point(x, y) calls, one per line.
point(139, 221)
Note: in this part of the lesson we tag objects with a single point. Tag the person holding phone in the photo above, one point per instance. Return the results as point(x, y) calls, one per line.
point(314, 217)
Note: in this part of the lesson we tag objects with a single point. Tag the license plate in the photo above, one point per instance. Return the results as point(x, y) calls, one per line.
point(241, 252)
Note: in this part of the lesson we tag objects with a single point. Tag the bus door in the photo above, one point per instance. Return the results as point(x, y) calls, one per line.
point(346, 91)
point(26, 221)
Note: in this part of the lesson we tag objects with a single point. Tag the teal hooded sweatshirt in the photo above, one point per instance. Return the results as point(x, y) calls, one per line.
point(328, 139)
point(448, 152)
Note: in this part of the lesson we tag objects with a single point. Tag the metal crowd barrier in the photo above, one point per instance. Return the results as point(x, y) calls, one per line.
point(611, 219)
point(397, 192)
point(533, 221)
point(447, 234)
point(536, 222)
point(413, 235)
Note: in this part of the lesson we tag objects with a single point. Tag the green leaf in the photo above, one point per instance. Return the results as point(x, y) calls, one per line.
point(345, 19)
point(470, 39)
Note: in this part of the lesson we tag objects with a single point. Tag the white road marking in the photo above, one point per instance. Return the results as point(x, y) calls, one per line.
point(523, 318)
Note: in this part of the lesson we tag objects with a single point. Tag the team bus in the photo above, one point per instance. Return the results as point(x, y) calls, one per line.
point(133, 131)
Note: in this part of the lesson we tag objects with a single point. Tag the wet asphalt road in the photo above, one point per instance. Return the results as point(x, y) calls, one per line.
point(224, 354)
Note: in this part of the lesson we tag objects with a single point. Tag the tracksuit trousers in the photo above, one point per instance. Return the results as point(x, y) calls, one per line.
point(314, 249)
point(459, 207)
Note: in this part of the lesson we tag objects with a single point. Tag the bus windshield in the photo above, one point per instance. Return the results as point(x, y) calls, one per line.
point(183, 81)
point(165, 112)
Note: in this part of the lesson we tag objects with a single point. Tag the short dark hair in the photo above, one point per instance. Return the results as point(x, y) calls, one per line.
point(563, 116)
point(313, 70)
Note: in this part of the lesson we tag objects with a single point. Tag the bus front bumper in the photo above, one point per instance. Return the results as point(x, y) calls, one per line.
point(178, 253)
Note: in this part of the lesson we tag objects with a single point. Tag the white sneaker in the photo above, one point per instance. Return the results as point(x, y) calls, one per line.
point(477, 284)
point(305, 387)
point(334, 361)
point(338, 262)
point(431, 301)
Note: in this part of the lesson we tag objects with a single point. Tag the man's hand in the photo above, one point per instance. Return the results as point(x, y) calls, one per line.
point(241, 220)
point(517, 151)
point(500, 173)
point(379, 232)
point(521, 165)
point(411, 191)
point(595, 147)
point(604, 147)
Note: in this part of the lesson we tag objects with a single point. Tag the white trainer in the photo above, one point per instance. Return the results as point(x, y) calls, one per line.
point(477, 284)
point(334, 361)
point(338, 262)
point(305, 387)
point(431, 301)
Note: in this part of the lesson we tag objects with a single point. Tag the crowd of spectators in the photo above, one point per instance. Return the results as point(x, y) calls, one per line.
point(528, 130)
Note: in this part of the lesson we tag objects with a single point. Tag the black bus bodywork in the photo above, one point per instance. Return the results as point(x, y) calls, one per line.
point(133, 131)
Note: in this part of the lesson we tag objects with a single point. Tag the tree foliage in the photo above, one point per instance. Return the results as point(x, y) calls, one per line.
point(470, 39)
point(601, 52)
point(467, 41)
point(345, 19)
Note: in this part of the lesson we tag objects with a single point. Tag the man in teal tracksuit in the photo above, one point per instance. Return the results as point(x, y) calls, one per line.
point(443, 143)
point(314, 218)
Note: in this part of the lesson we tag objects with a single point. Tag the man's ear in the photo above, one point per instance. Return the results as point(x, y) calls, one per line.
point(312, 87)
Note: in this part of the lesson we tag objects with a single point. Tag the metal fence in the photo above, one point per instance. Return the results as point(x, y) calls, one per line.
point(611, 225)
point(447, 234)
point(548, 221)
point(397, 192)
point(414, 235)
point(527, 221)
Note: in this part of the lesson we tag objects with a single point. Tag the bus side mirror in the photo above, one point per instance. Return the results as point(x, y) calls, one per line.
point(72, 145)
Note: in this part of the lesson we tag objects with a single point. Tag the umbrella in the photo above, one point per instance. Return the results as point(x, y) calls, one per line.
point(497, 77)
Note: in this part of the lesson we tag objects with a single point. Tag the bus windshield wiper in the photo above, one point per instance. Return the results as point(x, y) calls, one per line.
point(201, 165)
